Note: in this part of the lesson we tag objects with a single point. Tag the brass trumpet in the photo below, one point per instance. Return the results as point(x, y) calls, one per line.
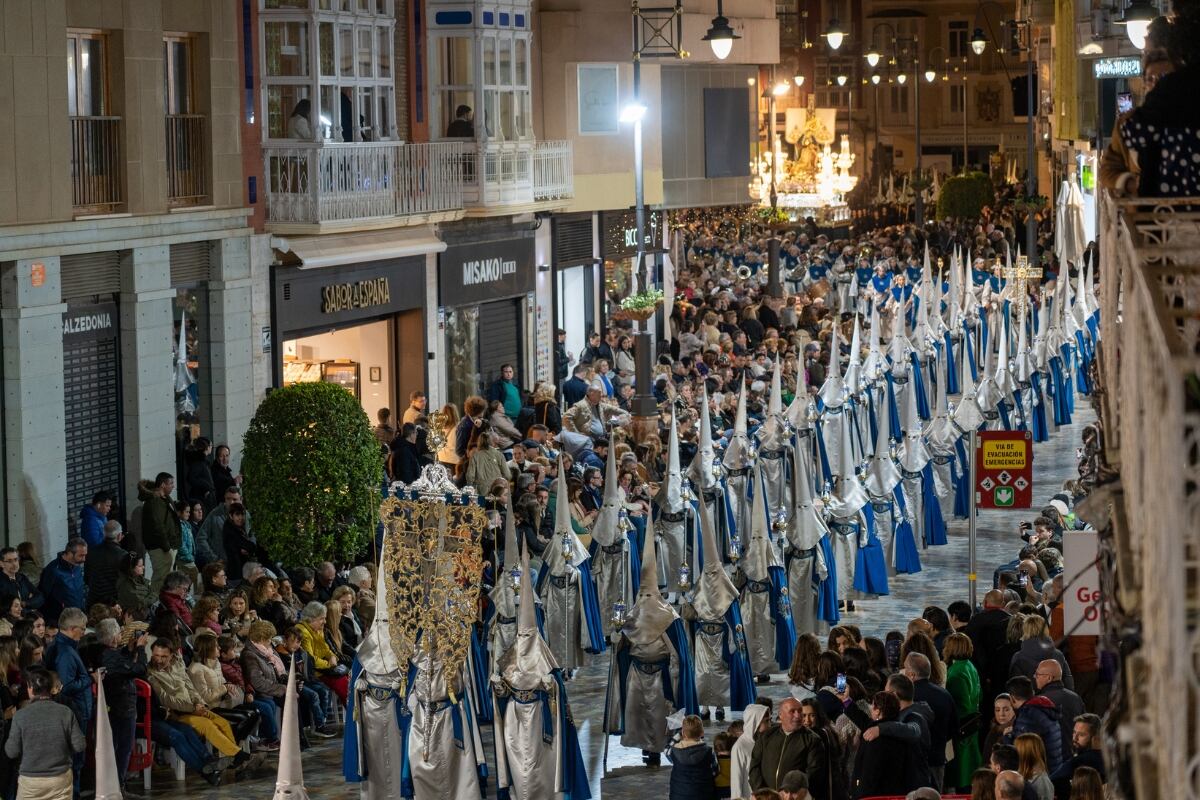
point(744, 271)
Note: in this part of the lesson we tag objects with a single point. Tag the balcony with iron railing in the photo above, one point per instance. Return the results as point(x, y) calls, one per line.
point(1149, 368)
point(97, 165)
point(336, 185)
point(187, 160)
point(357, 184)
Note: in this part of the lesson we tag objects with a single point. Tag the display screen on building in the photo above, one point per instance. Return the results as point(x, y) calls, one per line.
point(1124, 67)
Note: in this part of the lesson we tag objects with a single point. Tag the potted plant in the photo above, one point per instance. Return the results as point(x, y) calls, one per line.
point(640, 306)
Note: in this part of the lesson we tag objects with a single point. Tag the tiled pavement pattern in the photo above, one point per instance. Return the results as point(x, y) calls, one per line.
point(943, 579)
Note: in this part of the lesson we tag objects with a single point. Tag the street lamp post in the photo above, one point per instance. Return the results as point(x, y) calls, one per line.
point(657, 33)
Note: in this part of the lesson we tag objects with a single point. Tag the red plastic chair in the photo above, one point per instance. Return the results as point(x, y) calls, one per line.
point(142, 757)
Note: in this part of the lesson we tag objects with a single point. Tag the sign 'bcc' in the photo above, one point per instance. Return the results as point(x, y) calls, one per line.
point(1004, 470)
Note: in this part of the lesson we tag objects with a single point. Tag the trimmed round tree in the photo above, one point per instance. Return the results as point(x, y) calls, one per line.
point(312, 474)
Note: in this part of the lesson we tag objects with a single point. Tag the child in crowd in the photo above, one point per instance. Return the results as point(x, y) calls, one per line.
point(722, 746)
point(693, 764)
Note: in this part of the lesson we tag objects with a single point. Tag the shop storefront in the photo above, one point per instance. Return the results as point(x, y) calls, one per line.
point(577, 278)
point(619, 247)
point(361, 327)
point(486, 297)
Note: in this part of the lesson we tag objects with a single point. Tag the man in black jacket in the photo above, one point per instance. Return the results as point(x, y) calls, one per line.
point(1085, 741)
point(575, 389)
point(14, 584)
point(945, 713)
point(989, 636)
point(103, 565)
point(1049, 682)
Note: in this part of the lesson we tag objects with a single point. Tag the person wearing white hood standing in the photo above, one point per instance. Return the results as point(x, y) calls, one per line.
point(808, 556)
point(714, 615)
point(743, 748)
point(738, 461)
point(652, 675)
point(917, 471)
point(766, 607)
point(537, 745)
point(574, 621)
point(775, 452)
point(883, 484)
point(612, 563)
point(707, 476)
point(671, 522)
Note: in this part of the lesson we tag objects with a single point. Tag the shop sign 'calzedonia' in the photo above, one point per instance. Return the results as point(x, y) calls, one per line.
point(92, 321)
point(483, 271)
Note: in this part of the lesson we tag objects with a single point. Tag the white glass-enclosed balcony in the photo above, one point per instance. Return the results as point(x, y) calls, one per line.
point(333, 156)
point(480, 56)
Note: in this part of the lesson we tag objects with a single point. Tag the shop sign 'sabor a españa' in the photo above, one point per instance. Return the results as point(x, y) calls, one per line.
point(1004, 470)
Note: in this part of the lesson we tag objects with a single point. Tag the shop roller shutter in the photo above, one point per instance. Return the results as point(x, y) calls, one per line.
point(92, 402)
point(190, 263)
point(89, 274)
point(572, 241)
point(499, 340)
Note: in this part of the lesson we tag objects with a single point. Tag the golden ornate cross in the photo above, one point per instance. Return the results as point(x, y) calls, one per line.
point(1021, 274)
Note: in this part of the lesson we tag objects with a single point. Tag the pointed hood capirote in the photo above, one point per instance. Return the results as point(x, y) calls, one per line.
point(606, 530)
point(761, 554)
point(289, 777)
point(528, 664)
point(849, 496)
point(773, 434)
point(701, 470)
point(375, 652)
point(876, 363)
point(882, 474)
point(967, 416)
point(739, 453)
point(670, 493)
point(714, 591)
point(108, 779)
point(650, 616)
point(854, 367)
point(802, 405)
point(940, 431)
point(503, 593)
point(807, 525)
point(913, 454)
point(831, 390)
point(565, 549)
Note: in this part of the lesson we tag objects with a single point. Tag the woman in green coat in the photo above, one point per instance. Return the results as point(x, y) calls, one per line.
point(962, 681)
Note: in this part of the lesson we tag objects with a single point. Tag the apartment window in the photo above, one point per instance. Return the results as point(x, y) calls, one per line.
point(87, 85)
point(347, 86)
point(829, 93)
point(958, 36)
point(97, 183)
point(454, 70)
point(177, 71)
point(505, 91)
point(186, 131)
point(898, 104)
point(958, 98)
